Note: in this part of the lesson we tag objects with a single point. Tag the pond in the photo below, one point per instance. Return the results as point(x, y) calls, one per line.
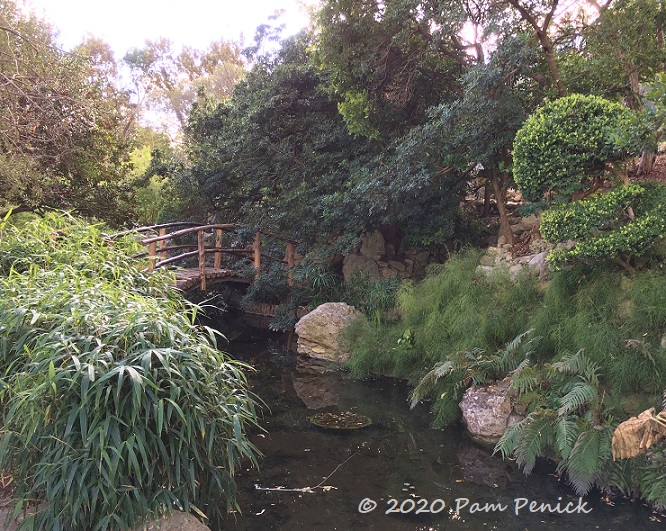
point(396, 474)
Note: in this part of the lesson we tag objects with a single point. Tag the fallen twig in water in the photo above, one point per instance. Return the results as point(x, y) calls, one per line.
point(321, 485)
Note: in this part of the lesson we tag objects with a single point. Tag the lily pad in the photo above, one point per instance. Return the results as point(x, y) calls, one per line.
point(346, 420)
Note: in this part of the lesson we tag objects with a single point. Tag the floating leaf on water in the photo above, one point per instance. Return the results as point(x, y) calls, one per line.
point(340, 421)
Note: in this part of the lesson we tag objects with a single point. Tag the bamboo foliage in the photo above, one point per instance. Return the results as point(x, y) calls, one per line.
point(117, 406)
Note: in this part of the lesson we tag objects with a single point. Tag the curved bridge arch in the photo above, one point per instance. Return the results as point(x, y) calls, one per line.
point(162, 251)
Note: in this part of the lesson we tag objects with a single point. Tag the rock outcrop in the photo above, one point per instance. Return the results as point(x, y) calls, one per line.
point(319, 331)
point(379, 259)
point(487, 412)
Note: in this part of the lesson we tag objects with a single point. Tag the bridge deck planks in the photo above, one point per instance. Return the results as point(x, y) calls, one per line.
point(189, 278)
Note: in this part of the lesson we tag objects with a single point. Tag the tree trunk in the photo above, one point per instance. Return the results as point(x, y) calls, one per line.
point(486, 199)
point(646, 164)
point(500, 190)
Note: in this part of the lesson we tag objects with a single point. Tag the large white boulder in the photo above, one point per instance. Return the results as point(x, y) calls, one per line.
point(319, 331)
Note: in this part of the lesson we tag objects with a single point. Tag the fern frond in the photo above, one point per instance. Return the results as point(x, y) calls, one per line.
point(652, 481)
point(525, 379)
point(580, 365)
point(508, 442)
point(430, 380)
point(536, 436)
point(581, 482)
point(581, 394)
point(515, 344)
point(620, 474)
point(566, 434)
point(584, 457)
point(446, 409)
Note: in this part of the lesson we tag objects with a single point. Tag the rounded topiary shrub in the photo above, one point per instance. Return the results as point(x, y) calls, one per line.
point(563, 142)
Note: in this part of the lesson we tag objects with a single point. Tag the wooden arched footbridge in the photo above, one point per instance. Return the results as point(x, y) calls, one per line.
point(207, 253)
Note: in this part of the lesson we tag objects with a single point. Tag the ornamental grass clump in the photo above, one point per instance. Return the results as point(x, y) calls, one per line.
point(116, 406)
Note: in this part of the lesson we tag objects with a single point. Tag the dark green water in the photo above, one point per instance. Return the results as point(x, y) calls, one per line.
point(398, 458)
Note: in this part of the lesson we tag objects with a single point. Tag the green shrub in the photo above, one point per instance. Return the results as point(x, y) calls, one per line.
point(116, 405)
point(619, 225)
point(564, 141)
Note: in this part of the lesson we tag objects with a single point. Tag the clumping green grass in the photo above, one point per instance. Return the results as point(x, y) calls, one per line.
point(116, 406)
point(453, 309)
point(596, 355)
point(618, 320)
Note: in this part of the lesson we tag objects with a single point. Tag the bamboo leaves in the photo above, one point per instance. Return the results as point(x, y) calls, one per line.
point(117, 406)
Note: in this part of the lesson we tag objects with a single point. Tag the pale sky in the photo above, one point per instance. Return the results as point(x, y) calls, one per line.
point(125, 24)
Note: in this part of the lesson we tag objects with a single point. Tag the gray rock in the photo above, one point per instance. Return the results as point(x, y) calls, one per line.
point(538, 262)
point(373, 245)
point(486, 411)
point(319, 331)
point(356, 262)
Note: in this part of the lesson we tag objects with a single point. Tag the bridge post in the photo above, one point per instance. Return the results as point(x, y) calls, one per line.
point(290, 263)
point(152, 256)
point(202, 259)
point(218, 245)
point(163, 244)
point(256, 248)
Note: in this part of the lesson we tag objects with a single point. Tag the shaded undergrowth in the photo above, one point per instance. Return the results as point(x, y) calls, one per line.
point(597, 355)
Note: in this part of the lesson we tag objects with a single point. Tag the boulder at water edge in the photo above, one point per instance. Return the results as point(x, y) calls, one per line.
point(319, 331)
point(487, 412)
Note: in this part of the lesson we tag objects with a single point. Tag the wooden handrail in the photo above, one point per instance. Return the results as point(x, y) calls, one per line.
point(222, 250)
point(154, 228)
point(200, 228)
point(173, 259)
point(159, 246)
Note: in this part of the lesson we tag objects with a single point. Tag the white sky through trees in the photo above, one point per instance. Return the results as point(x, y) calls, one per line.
point(125, 24)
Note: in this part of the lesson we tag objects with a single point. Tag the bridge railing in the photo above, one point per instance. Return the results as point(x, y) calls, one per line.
point(159, 249)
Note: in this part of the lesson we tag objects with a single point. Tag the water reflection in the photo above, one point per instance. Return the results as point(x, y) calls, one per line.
point(415, 475)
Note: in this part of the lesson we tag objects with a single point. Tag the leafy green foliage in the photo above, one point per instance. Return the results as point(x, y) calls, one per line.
point(63, 124)
point(463, 369)
point(116, 405)
point(618, 321)
point(618, 52)
point(566, 423)
point(625, 223)
point(564, 142)
point(454, 309)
